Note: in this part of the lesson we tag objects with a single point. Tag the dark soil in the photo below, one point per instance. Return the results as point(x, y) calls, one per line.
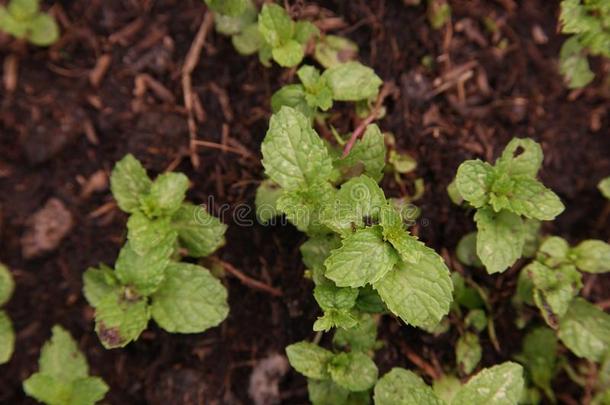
point(57, 130)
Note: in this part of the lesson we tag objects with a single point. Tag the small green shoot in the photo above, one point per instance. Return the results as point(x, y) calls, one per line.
point(23, 19)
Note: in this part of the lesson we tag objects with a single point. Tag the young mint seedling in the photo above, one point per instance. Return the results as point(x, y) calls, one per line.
point(63, 374)
point(23, 19)
point(7, 334)
point(148, 281)
point(589, 23)
point(503, 195)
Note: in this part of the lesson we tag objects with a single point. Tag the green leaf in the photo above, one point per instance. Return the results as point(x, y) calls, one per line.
point(23, 9)
point(585, 330)
point(128, 183)
point(592, 256)
point(446, 387)
point(198, 231)
point(335, 318)
point(61, 359)
point(473, 180)
point(43, 30)
point(166, 194)
point(354, 371)
point(361, 337)
point(303, 207)
point(332, 50)
point(7, 284)
point(408, 247)
point(249, 41)
point(120, 319)
point(369, 301)
point(190, 300)
point(499, 385)
point(531, 199)
point(267, 194)
point(531, 228)
point(476, 319)
point(275, 25)
point(234, 25)
point(420, 294)
point(521, 157)
point(403, 387)
point(11, 25)
point(309, 359)
point(293, 153)
point(466, 250)
point(98, 283)
point(357, 203)
point(304, 31)
point(7, 338)
point(573, 64)
point(553, 251)
point(539, 357)
point(144, 272)
point(326, 392)
point(604, 187)
point(368, 152)
point(364, 258)
point(316, 249)
point(468, 352)
point(328, 296)
point(352, 81)
point(292, 95)
point(500, 239)
point(145, 234)
point(88, 391)
point(228, 7)
point(289, 54)
point(48, 389)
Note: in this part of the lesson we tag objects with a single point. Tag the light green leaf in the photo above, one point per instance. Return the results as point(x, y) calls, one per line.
point(454, 193)
point(234, 25)
point(476, 319)
point(11, 25)
point(499, 385)
point(573, 64)
point(266, 198)
point(309, 359)
point(303, 207)
point(473, 180)
point(403, 387)
point(364, 258)
point(468, 352)
point(249, 41)
point(61, 359)
point(554, 251)
point(357, 203)
point(539, 357)
point(228, 7)
point(292, 95)
point(585, 330)
point(128, 183)
point(7, 338)
point(369, 152)
point(23, 10)
point(289, 54)
point(521, 157)
point(446, 387)
point(316, 249)
point(420, 294)
point(335, 318)
point(394, 231)
point(144, 272)
point(166, 195)
point(190, 300)
point(361, 337)
point(332, 50)
point(43, 30)
point(531, 199)
point(98, 283)
point(145, 234)
point(354, 371)
point(198, 231)
point(352, 81)
point(48, 389)
point(369, 301)
point(592, 256)
point(531, 228)
point(7, 284)
point(304, 31)
point(120, 319)
point(275, 25)
point(326, 392)
point(293, 153)
point(604, 187)
point(500, 239)
point(466, 250)
point(328, 296)
point(88, 391)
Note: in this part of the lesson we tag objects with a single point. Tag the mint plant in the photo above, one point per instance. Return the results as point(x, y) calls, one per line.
point(499, 385)
point(148, 280)
point(504, 195)
point(604, 187)
point(588, 22)
point(23, 19)
point(7, 334)
point(63, 374)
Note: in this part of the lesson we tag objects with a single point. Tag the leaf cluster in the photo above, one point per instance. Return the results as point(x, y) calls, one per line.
point(7, 333)
point(23, 19)
point(148, 280)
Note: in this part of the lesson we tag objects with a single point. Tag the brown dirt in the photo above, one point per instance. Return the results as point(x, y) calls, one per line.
point(57, 130)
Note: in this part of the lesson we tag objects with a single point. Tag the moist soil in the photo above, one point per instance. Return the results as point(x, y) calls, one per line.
point(462, 92)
